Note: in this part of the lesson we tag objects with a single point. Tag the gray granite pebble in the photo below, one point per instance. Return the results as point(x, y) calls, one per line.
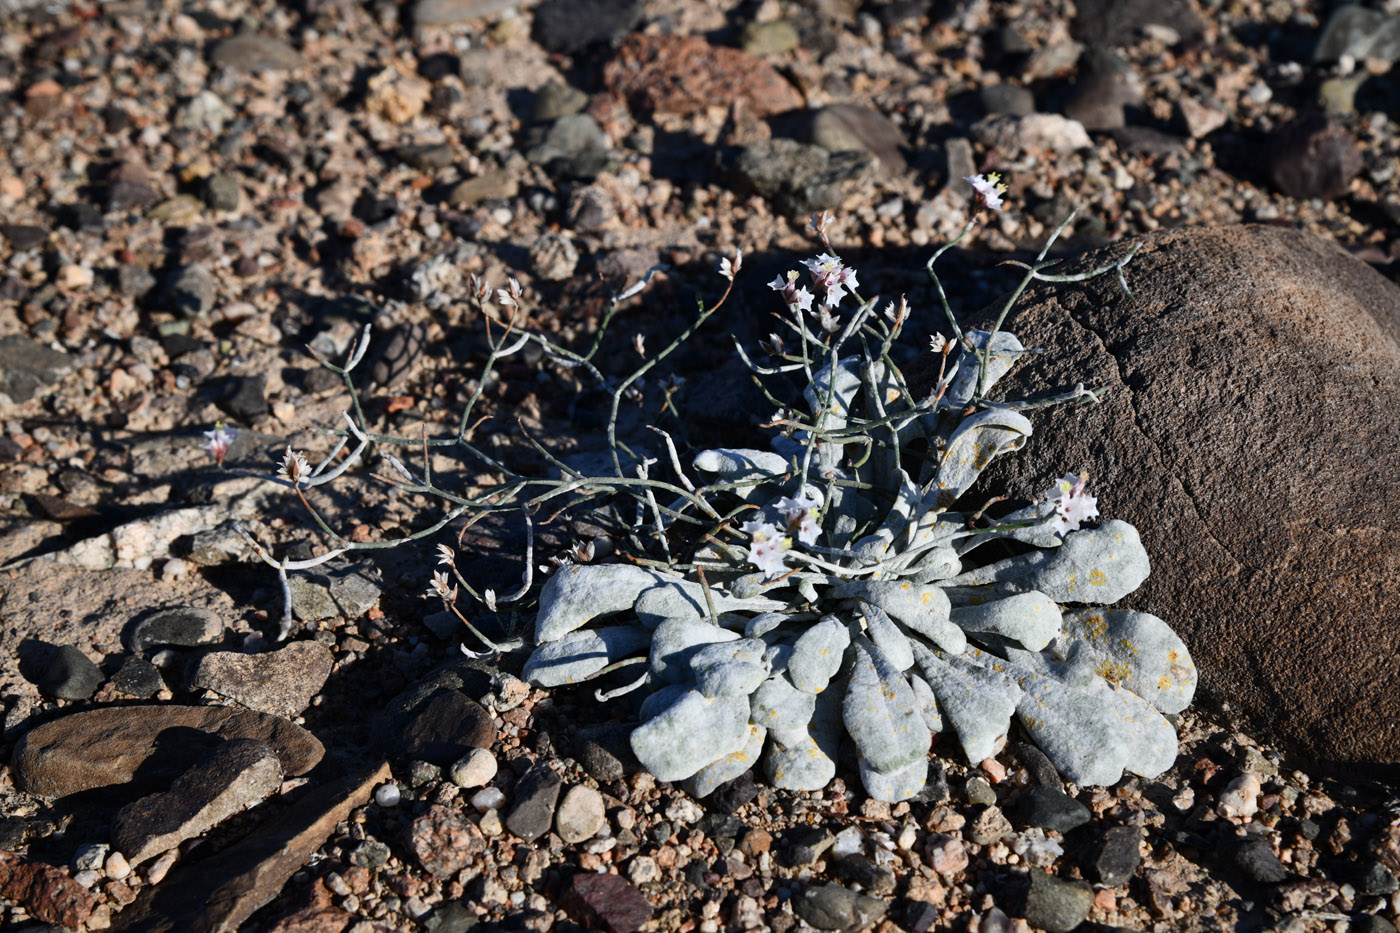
point(833, 907)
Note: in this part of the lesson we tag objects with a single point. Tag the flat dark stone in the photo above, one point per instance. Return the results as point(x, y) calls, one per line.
point(1050, 808)
point(1056, 905)
point(185, 626)
point(1119, 856)
point(23, 236)
point(446, 727)
point(532, 812)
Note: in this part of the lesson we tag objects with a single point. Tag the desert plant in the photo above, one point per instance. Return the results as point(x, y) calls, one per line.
point(770, 600)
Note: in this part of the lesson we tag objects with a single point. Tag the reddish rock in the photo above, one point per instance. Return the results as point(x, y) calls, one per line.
point(685, 74)
point(314, 920)
point(1249, 433)
point(110, 745)
point(47, 893)
point(606, 902)
point(445, 841)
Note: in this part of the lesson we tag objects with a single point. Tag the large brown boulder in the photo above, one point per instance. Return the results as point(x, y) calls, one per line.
point(1251, 432)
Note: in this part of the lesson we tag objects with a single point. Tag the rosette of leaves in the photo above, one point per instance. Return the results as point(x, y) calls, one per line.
point(864, 601)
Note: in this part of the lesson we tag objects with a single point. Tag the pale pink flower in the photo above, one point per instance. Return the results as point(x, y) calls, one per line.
point(792, 293)
point(987, 190)
point(219, 440)
point(1072, 504)
point(766, 551)
point(833, 277)
point(294, 467)
point(728, 269)
point(801, 515)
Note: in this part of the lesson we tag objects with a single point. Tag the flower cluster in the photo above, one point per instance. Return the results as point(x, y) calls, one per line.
point(768, 546)
point(833, 277)
point(1072, 504)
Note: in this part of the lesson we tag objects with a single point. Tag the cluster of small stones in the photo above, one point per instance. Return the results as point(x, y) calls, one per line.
point(745, 671)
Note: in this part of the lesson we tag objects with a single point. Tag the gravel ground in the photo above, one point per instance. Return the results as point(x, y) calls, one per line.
point(193, 195)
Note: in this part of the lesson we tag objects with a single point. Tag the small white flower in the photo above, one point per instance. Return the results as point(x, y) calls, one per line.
point(219, 440)
point(818, 223)
point(1072, 505)
point(489, 598)
point(897, 313)
point(509, 297)
point(294, 467)
point(766, 551)
point(441, 586)
point(987, 190)
point(639, 343)
point(793, 294)
point(801, 515)
point(445, 556)
point(938, 343)
point(729, 270)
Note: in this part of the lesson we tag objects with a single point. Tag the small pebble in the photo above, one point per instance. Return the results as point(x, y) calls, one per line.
point(1240, 799)
point(387, 795)
point(474, 769)
point(488, 798)
point(491, 824)
point(160, 867)
point(117, 867)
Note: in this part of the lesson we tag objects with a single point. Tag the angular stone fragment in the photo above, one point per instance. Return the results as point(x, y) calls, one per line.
point(221, 891)
point(48, 894)
point(532, 810)
point(109, 746)
point(690, 733)
point(444, 840)
point(236, 775)
point(606, 902)
point(280, 682)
